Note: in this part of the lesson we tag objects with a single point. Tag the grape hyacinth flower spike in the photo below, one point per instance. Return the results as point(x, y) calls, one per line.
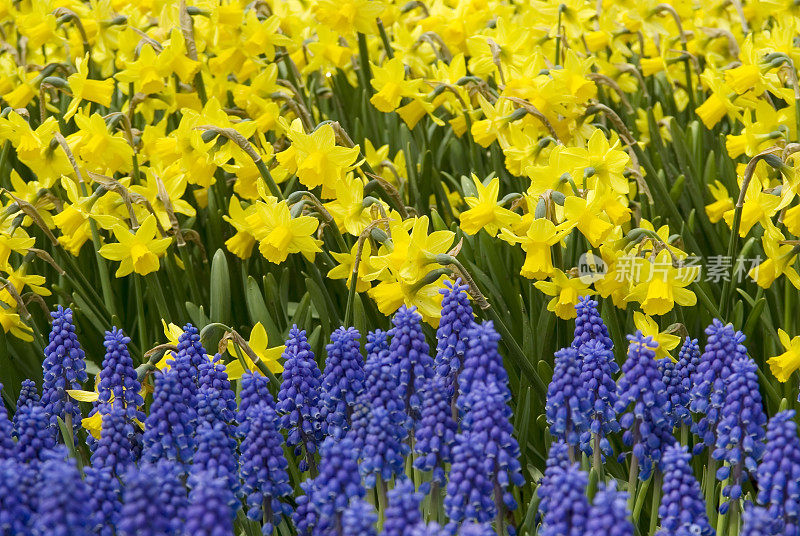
point(609, 515)
point(740, 432)
point(64, 368)
point(778, 473)
point(568, 402)
point(169, 428)
point(677, 376)
point(299, 399)
point(451, 335)
point(409, 352)
point(709, 382)
point(336, 486)
point(342, 380)
point(643, 398)
point(589, 325)
point(483, 363)
point(597, 367)
point(568, 508)
point(119, 384)
point(682, 503)
point(263, 466)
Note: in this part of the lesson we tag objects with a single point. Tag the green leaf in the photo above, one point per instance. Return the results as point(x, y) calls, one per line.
point(220, 289)
point(197, 315)
point(257, 309)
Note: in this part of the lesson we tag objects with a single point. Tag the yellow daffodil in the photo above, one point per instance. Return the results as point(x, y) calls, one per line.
point(484, 211)
point(540, 236)
point(784, 365)
point(722, 202)
point(318, 159)
point(666, 342)
point(658, 285)
point(13, 324)
point(83, 88)
point(279, 234)
point(566, 292)
point(258, 343)
point(136, 251)
point(347, 208)
point(601, 162)
point(390, 85)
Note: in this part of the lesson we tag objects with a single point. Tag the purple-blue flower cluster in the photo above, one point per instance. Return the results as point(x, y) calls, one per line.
point(643, 398)
point(778, 473)
point(299, 399)
point(64, 368)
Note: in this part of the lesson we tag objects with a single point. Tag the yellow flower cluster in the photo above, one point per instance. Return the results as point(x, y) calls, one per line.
point(137, 122)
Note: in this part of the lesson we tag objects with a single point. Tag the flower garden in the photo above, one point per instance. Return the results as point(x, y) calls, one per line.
point(424, 268)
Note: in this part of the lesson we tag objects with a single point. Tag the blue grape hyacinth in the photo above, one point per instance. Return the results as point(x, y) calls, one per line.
point(15, 504)
point(682, 503)
point(338, 483)
point(63, 500)
point(28, 395)
point(409, 353)
point(643, 396)
point(114, 450)
point(778, 473)
point(589, 325)
point(557, 462)
point(169, 428)
point(255, 392)
point(709, 382)
point(7, 446)
point(342, 380)
point(64, 368)
point(609, 515)
point(451, 335)
point(470, 489)
point(105, 502)
point(34, 435)
point(677, 376)
point(597, 368)
point(360, 518)
point(436, 430)
point(209, 512)
point(216, 458)
point(154, 501)
point(216, 401)
point(299, 399)
point(488, 425)
point(483, 363)
point(740, 432)
point(403, 510)
point(758, 521)
point(119, 385)
point(384, 451)
point(568, 401)
point(568, 508)
point(263, 466)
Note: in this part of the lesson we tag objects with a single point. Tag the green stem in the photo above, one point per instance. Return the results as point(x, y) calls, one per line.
point(387, 44)
point(633, 475)
point(158, 295)
point(365, 72)
point(267, 176)
point(597, 457)
point(380, 487)
point(658, 477)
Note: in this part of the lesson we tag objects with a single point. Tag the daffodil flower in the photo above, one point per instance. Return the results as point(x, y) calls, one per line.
point(784, 365)
point(484, 211)
point(649, 327)
point(258, 343)
point(139, 251)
